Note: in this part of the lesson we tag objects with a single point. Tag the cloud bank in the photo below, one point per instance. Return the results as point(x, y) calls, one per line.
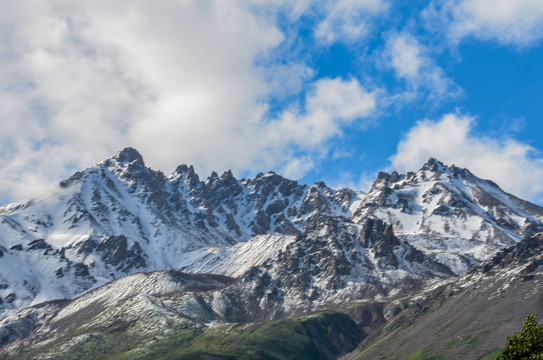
point(237, 84)
point(183, 82)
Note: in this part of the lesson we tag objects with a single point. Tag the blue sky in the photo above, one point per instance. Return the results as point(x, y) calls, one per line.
point(332, 90)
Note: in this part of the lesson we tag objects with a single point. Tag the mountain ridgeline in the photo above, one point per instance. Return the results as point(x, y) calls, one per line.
point(122, 247)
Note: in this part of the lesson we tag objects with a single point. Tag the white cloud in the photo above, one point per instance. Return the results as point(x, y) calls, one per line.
point(331, 105)
point(183, 82)
point(411, 62)
point(513, 22)
point(297, 167)
point(515, 166)
point(405, 56)
point(348, 20)
point(361, 182)
point(81, 80)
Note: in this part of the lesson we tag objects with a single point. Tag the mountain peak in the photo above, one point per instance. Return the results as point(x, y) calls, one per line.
point(129, 155)
point(126, 156)
point(187, 174)
point(182, 169)
point(434, 165)
point(228, 176)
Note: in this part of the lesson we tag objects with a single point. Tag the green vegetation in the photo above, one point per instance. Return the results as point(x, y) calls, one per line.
point(423, 355)
point(444, 328)
point(490, 355)
point(528, 344)
point(419, 355)
point(479, 338)
point(103, 343)
point(318, 336)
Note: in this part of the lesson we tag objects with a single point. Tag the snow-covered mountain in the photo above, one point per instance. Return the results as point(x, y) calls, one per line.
point(306, 245)
point(450, 213)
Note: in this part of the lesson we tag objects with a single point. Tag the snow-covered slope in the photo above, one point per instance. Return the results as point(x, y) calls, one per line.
point(450, 213)
point(237, 259)
point(332, 262)
point(120, 217)
point(132, 296)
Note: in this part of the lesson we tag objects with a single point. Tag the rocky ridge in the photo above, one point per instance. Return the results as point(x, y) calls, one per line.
point(120, 217)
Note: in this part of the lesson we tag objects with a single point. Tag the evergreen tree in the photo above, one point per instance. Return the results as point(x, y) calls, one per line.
point(526, 345)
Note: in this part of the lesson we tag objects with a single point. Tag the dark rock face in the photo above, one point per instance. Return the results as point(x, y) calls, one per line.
point(376, 231)
point(81, 270)
point(529, 251)
point(74, 178)
point(114, 251)
point(261, 223)
point(284, 226)
point(433, 165)
point(39, 244)
point(232, 225)
point(17, 247)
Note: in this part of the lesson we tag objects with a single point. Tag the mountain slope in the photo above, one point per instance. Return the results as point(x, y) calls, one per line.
point(320, 270)
point(316, 336)
point(159, 314)
point(469, 318)
point(132, 301)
